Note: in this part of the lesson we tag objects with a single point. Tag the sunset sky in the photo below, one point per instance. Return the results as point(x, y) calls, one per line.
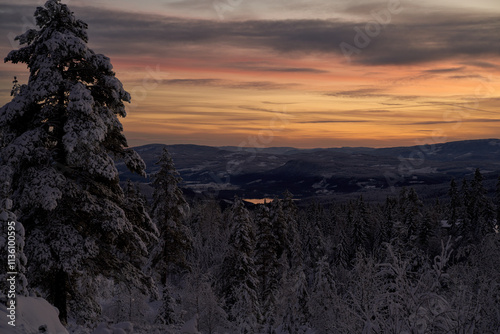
point(316, 73)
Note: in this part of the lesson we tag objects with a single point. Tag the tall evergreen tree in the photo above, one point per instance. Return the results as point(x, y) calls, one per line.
point(425, 231)
point(169, 211)
point(293, 243)
point(295, 302)
point(136, 209)
point(238, 281)
point(411, 214)
point(321, 303)
point(344, 253)
point(389, 218)
point(482, 213)
point(268, 265)
point(280, 227)
point(315, 247)
point(455, 206)
point(59, 136)
point(360, 227)
point(497, 203)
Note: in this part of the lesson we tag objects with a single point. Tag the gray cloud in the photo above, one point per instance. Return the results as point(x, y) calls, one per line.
point(194, 82)
point(445, 70)
point(372, 93)
point(289, 70)
point(230, 84)
point(278, 103)
point(481, 64)
point(333, 121)
point(477, 120)
point(250, 108)
point(469, 76)
point(415, 40)
point(356, 93)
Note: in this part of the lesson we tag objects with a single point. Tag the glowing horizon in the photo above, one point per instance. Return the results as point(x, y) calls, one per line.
point(279, 78)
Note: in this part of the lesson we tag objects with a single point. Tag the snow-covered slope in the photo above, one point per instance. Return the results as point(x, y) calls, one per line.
point(32, 314)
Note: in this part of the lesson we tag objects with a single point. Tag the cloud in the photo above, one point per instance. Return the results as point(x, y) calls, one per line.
point(445, 70)
point(481, 64)
point(469, 76)
point(259, 67)
point(250, 108)
point(357, 93)
point(372, 93)
point(477, 120)
point(414, 39)
point(278, 103)
point(333, 121)
point(264, 85)
point(194, 82)
point(290, 70)
point(258, 85)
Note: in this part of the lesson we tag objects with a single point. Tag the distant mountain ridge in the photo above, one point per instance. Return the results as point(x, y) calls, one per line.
point(267, 172)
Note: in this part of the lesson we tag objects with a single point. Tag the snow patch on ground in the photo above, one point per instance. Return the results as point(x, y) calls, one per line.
point(31, 315)
point(190, 326)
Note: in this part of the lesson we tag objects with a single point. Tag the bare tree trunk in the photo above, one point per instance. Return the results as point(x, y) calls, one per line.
point(59, 295)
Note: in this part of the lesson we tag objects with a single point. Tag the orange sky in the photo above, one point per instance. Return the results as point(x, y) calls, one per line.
point(272, 81)
point(347, 106)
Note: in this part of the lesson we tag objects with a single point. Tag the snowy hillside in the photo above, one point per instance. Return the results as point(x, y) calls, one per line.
point(32, 315)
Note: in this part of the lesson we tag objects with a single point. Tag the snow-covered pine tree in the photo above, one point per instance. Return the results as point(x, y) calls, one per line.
point(294, 245)
point(210, 234)
point(268, 265)
point(136, 210)
point(169, 212)
point(465, 228)
point(59, 135)
point(314, 248)
point(294, 303)
point(411, 215)
point(279, 226)
point(389, 218)
point(323, 298)
point(127, 304)
point(343, 250)
point(455, 207)
point(497, 203)
point(238, 281)
point(360, 227)
point(426, 231)
point(199, 298)
point(482, 213)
